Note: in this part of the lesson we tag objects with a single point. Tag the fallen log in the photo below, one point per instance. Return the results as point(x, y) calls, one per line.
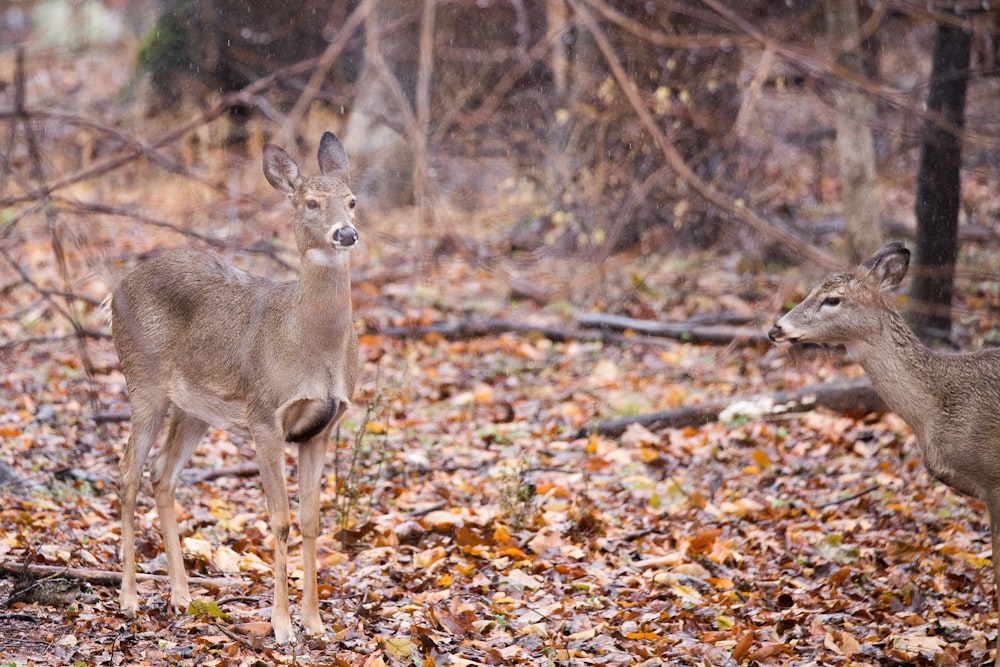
point(591, 327)
point(481, 327)
point(102, 577)
point(847, 396)
point(689, 332)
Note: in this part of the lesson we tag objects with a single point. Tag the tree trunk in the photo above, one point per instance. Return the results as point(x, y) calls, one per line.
point(855, 146)
point(939, 185)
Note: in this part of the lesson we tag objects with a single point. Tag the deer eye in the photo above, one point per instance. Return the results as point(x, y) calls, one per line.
point(352, 202)
point(312, 204)
point(831, 301)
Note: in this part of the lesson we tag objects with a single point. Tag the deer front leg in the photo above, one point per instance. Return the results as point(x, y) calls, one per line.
point(271, 461)
point(311, 457)
point(183, 436)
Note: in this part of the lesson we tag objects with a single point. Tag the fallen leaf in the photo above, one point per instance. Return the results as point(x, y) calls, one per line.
point(520, 579)
point(842, 643)
point(401, 648)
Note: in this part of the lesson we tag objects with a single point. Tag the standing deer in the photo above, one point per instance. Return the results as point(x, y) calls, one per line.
point(951, 401)
point(203, 343)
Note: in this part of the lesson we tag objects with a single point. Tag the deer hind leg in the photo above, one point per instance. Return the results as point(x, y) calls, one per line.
point(183, 436)
point(311, 458)
point(148, 413)
point(993, 505)
point(271, 459)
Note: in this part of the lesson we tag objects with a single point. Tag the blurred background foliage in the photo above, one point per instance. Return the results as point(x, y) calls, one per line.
point(511, 130)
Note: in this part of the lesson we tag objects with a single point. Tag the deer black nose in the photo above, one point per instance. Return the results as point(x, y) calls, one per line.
point(345, 236)
point(775, 333)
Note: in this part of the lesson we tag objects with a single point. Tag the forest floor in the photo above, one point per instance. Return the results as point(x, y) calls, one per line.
point(467, 520)
point(470, 516)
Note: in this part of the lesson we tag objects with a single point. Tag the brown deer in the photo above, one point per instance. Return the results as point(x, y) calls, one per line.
point(950, 400)
point(203, 343)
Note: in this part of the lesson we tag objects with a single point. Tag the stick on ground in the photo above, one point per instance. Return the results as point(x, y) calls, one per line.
point(847, 396)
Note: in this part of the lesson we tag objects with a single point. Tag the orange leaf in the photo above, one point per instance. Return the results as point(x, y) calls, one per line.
point(761, 459)
point(500, 535)
point(768, 650)
point(514, 552)
point(840, 575)
point(704, 540)
point(554, 490)
point(743, 645)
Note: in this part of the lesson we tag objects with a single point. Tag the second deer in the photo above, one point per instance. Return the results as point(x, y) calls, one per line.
point(203, 343)
point(950, 400)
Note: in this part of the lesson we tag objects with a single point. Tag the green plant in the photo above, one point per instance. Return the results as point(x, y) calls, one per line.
point(354, 475)
point(517, 495)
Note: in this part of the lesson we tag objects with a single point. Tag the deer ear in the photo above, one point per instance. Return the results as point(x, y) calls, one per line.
point(888, 265)
point(332, 155)
point(280, 170)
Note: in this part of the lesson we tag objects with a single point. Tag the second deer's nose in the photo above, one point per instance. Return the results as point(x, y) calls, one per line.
point(345, 236)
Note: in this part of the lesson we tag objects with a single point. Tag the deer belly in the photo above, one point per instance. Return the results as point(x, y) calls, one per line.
point(213, 406)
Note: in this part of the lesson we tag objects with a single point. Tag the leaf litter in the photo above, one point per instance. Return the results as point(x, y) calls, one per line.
point(483, 531)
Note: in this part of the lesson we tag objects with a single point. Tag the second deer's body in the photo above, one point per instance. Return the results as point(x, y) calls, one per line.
point(951, 401)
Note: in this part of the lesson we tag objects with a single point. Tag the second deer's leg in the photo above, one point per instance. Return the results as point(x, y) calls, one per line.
point(183, 436)
point(312, 455)
point(147, 418)
point(271, 460)
point(993, 505)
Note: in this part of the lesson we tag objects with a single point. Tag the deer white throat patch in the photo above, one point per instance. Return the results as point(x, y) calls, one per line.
point(331, 257)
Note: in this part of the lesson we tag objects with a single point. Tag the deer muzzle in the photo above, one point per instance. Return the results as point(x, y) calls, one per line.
point(345, 237)
point(776, 334)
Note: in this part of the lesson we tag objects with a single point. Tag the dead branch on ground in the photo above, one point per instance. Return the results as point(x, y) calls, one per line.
point(103, 577)
point(689, 332)
point(846, 396)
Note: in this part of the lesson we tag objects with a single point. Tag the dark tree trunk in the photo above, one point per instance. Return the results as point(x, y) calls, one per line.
point(939, 186)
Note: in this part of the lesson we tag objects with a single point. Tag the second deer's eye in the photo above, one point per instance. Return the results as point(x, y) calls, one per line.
point(312, 204)
point(352, 202)
point(831, 301)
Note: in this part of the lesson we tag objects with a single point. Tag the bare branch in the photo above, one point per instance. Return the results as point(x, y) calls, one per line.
point(673, 157)
point(323, 64)
point(105, 577)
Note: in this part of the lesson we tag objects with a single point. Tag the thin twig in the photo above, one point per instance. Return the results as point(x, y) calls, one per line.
point(847, 499)
point(246, 96)
point(323, 64)
point(42, 340)
point(680, 165)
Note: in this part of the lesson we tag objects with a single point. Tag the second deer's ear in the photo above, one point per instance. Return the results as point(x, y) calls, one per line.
point(280, 170)
point(888, 265)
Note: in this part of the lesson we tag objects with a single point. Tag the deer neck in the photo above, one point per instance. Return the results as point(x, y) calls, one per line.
point(899, 366)
point(323, 293)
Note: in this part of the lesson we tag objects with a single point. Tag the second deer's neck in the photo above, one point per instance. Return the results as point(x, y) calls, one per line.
point(899, 366)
